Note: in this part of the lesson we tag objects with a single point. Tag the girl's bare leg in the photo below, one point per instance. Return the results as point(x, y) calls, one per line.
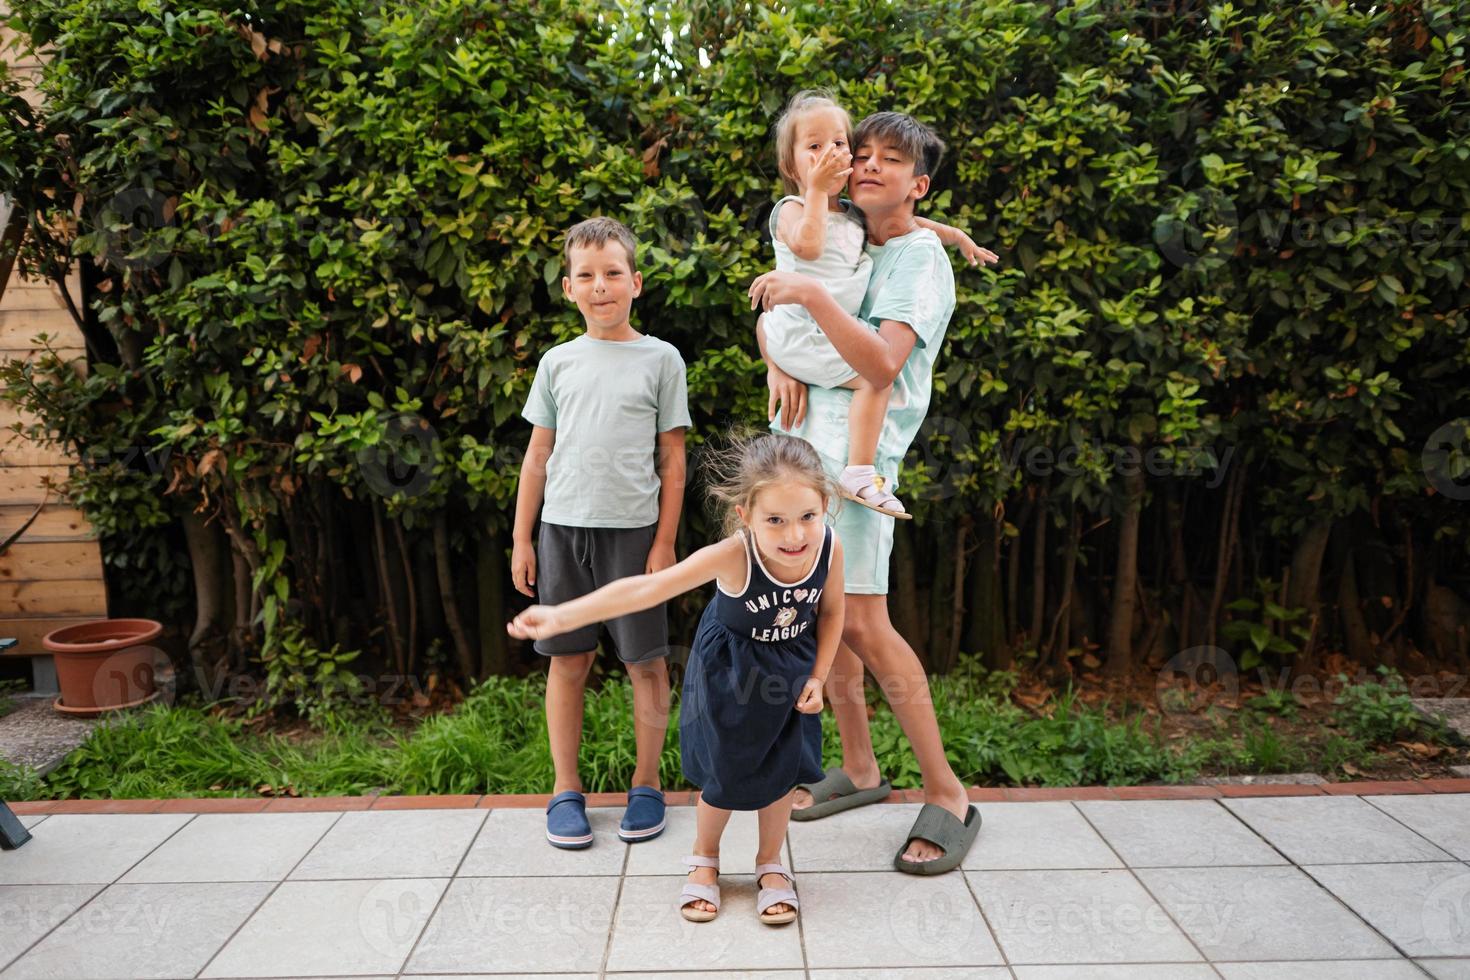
point(774, 820)
point(709, 827)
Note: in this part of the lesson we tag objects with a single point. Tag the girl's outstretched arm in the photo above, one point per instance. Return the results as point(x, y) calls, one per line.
point(633, 593)
point(954, 238)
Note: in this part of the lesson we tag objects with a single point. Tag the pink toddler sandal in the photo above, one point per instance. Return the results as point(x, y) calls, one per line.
point(863, 486)
point(776, 896)
point(695, 892)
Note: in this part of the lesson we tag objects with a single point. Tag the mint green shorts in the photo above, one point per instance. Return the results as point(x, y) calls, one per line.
point(866, 535)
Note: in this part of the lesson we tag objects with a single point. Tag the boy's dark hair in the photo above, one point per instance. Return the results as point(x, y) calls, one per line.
point(597, 232)
point(916, 140)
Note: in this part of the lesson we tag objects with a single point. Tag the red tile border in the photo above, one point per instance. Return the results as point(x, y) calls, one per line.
point(1376, 788)
point(1447, 785)
point(214, 804)
point(462, 801)
point(1166, 792)
point(33, 808)
point(318, 804)
point(983, 794)
point(1282, 789)
point(1034, 794)
point(517, 801)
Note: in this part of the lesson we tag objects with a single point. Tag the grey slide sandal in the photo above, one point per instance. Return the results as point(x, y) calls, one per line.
point(942, 828)
point(834, 793)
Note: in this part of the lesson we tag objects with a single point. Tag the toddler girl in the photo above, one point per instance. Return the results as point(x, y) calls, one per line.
point(818, 234)
point(749, 719)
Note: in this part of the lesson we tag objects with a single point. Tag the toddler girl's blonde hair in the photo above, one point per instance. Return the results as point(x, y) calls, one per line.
point(801, 103)
point(735, 474)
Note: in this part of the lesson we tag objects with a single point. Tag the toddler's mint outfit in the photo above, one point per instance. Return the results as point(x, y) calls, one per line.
point(793, 339)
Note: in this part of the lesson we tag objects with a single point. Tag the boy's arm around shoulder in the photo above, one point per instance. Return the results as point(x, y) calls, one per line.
point(955, 238)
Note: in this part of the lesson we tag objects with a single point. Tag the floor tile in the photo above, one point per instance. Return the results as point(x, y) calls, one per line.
point(1332, 830)
point(916, 973)
point(1178, 834)
point(331, 928)
point(1021, 836)
point(87, 848)
point(714, 975)
point(534, 925)
point(1452, 969)
point(664, 854)
point(650, 934)
point(1271, 913)
point(1322, 970)
point(393, 844)
point(142, 931)
point(234, 847)
point(28, 912)
point(513, 843)
point(30, 820)
point(1065, 917)
point(892, 920)
point(1114, 971)
point(1442, 819)
point(1424, 909)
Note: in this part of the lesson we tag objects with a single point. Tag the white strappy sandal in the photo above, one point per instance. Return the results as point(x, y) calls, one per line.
point(695, 892)
point(776, 896)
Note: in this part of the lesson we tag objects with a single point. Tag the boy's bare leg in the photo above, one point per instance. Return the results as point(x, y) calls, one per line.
point(650, 717)
point(865, 417)
point(709, 827)
point(774, 820)
point(566, 684)
point(901, 676)
point(844, 691)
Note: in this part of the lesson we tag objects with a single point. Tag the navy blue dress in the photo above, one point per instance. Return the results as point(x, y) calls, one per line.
point(742, 741)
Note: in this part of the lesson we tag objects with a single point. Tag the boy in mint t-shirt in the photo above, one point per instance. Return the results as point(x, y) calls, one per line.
point(894, 339)
point(605, 469)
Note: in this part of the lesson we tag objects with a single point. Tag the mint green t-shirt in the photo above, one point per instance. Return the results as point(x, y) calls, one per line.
point(607, 401)
point(913, 283)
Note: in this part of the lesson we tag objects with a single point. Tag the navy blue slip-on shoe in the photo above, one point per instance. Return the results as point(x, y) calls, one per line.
point(644, 819)
point(566, 821)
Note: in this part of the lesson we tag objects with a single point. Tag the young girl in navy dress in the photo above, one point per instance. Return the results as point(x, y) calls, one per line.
point(749, 722)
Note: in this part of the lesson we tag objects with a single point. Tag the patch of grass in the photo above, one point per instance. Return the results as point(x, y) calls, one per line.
point(1281, 704)
point(1378, 713)
point(20, 782)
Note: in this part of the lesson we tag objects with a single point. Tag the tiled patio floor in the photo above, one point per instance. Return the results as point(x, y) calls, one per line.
point(1246, 888)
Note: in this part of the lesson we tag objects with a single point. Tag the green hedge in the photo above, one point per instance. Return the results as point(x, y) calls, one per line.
point(1232, 236)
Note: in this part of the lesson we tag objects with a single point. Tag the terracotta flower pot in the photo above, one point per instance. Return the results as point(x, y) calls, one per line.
point(103, 664)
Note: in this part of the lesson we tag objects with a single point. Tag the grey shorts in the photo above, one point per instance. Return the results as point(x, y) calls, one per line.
point(573, 561)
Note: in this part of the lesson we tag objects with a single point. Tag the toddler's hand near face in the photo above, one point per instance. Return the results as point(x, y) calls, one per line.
point(831, 170)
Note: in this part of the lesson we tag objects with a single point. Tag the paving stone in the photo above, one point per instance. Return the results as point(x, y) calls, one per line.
point(1016, 836)
point(1421, 908)
point(392, 844)
point(1261, 914)
point(142, 931)
point(513, 843)
point(1132, 971)
point(28, 912)
point(890, 920)
point(1333, 829)
point(1074, 917)
point(83, 849)
point(331, 928)
point(1178, 833)
point(1323, 970)
point(1443, 819)
point(37, 736)
point(234, 847)
point(1455, 712)
point(1447, 969)
point(534, 925)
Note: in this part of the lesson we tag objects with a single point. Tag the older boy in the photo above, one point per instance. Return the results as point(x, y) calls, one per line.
point(605, 469)
point(894, 340)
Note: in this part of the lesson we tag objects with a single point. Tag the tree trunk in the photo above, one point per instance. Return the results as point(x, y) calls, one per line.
point(906, 613)
point(1349, 605)
point(1125, 579)
point(209, 640)
point(1013, 565)
point(957, 601)
point(1229, 532)
point(490, 581)
point(1058, 643)
point(462, 649)
point(406, 561)
point(1306, 580)
point(389, 594)
point(987, 605)
point(1038, 574)
point(941, 594)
